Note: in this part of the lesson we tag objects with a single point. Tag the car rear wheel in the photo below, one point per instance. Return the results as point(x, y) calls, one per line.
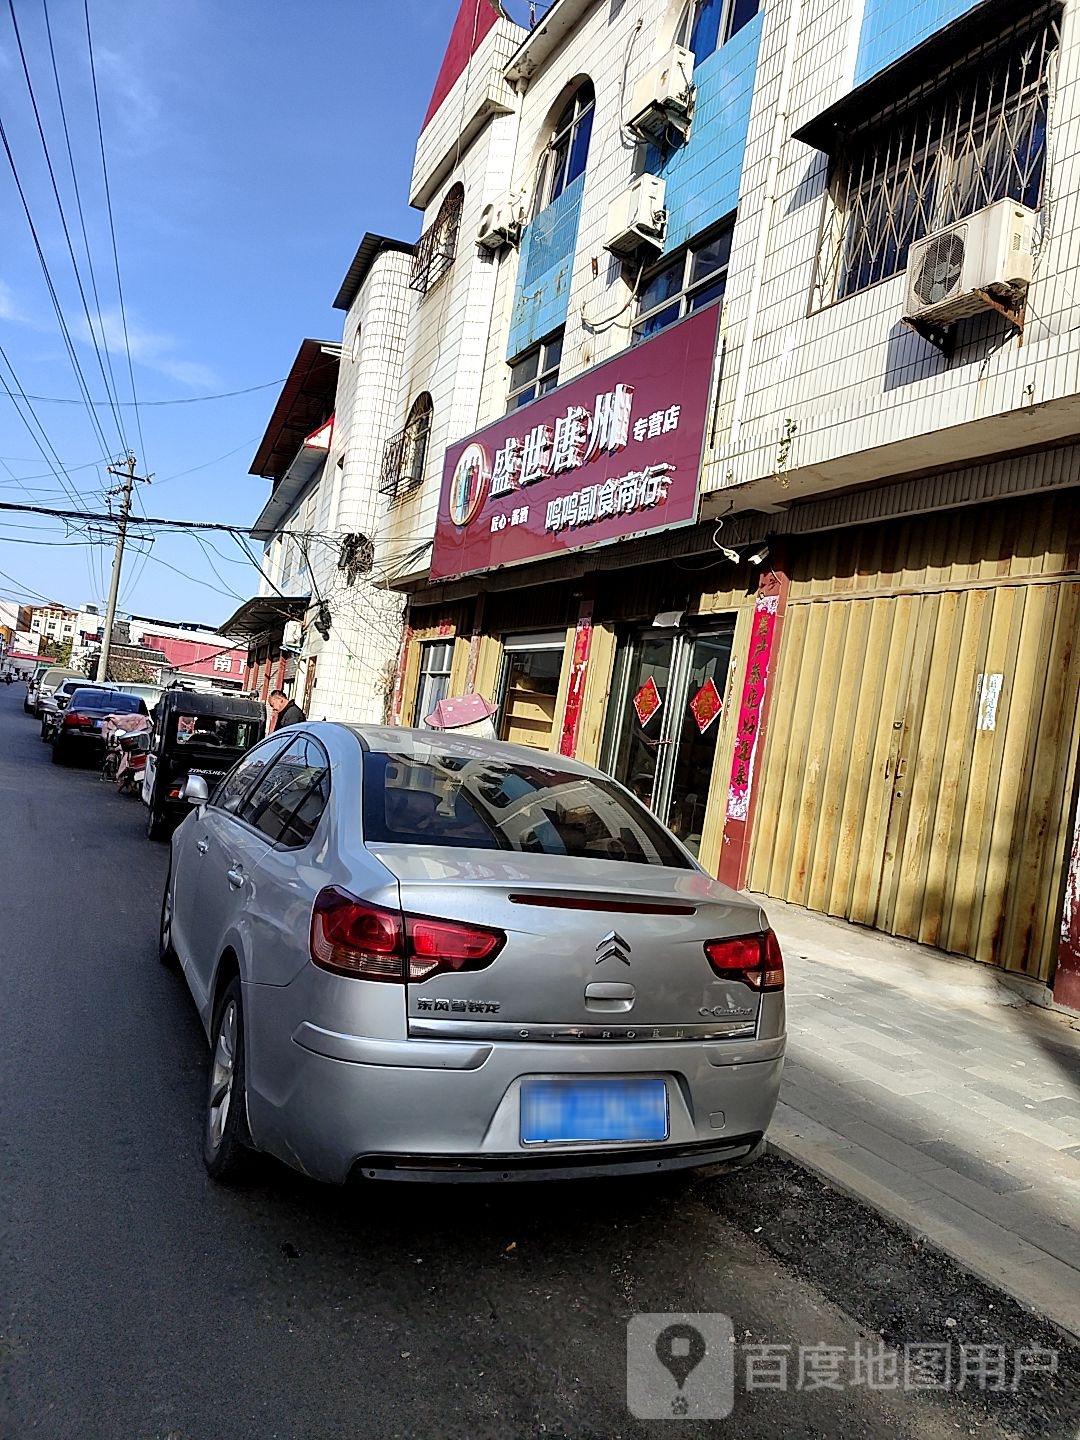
point(227, 1152)
point(166, 953)
point(59, 753)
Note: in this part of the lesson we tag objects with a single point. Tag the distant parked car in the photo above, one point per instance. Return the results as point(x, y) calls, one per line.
point(53, 705)
point(79, 730)
point(419, 957)
point(50, 680)
point(31, 687)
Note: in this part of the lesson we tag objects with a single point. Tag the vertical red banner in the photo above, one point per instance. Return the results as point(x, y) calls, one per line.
point(1067, 976)
point(579, 669)
point(750, 725)
point(750, 706)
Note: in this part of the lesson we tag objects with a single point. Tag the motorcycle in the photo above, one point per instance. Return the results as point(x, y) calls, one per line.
point(126, 749)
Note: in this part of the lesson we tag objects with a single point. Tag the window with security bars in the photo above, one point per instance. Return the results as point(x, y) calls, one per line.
point(437, 246)
point(405, 454)
point(978, 136)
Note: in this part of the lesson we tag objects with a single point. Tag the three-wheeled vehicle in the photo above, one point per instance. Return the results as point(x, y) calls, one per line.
point(195, 733)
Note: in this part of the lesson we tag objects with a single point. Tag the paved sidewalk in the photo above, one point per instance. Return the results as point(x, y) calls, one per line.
point(921, 1084)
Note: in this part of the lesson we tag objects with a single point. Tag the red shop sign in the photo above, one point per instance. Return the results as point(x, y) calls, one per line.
point(613, 453)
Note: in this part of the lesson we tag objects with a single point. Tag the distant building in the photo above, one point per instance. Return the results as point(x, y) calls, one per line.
point(54, 622)
point(193, 651)
point(13, 618)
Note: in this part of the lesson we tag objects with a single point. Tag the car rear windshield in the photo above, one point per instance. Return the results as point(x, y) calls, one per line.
point(221, 731)
point(486, 804)
point(114, 701)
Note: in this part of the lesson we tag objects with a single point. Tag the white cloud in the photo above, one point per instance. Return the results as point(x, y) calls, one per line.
point(153, 351)
point(9, 310)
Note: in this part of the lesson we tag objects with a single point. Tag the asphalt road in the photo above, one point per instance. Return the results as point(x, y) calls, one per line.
point(139, 1300)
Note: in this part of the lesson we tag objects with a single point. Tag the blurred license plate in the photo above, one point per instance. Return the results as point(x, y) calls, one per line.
point(570, 1110)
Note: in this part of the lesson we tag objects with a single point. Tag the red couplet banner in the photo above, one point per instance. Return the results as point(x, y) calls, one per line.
point(616, 452)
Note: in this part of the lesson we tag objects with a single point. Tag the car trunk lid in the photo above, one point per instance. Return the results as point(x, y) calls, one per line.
point(595, 949)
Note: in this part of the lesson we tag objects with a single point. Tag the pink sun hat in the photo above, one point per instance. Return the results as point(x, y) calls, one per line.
point(462, 710)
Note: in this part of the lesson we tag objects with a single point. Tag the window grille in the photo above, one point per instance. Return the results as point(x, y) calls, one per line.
point(406, 452)
point(978, 137)
point(437, 246)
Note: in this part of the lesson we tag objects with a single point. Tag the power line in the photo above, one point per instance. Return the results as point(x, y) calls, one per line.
point(63, 217)
point(107, 519)
point(111, 387)
point(112, 226)
point(181, 400)
point(49, 455)
point(54, 297)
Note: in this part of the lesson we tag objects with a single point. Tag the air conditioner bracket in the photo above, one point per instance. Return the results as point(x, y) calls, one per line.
point(943, 336)
point(940, 336)
point(1012, 311)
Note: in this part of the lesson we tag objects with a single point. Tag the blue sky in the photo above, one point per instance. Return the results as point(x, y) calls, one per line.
point(250, 145)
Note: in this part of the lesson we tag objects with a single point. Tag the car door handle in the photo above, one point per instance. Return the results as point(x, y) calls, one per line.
point(235, 878)
point(202, 846)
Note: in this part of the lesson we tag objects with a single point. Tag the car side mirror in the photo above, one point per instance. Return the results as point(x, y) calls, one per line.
point(194, 790)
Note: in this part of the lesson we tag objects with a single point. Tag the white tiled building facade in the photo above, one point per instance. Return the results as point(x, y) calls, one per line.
point(867, 487)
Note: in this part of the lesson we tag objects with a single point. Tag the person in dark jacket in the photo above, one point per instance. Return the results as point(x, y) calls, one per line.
point(286, 711)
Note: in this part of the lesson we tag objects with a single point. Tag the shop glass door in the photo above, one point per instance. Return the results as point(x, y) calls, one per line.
point(664, 723)
point(529, 688)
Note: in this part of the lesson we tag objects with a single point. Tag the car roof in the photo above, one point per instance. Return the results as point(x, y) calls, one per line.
point(421, 744)
point(202, 702)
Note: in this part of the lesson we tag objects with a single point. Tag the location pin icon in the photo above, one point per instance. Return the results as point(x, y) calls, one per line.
point(680, 1349)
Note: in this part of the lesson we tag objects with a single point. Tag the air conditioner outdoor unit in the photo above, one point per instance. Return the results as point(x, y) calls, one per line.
point(664, 96)
point(959, 271)
point(501, 222)
point(293, 634)
point(637, 218)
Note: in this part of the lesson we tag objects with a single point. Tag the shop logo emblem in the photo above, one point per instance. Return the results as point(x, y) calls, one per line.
point(469, 484)
point(613, 947)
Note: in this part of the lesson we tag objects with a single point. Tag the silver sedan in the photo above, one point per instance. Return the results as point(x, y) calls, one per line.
point(421, 957)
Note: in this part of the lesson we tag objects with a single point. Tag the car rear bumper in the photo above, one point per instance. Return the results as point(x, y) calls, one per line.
point(736, 1153)
point(333, 1105)
point(80, 740)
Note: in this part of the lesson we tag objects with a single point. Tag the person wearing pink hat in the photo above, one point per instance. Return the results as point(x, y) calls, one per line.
point(464, 715)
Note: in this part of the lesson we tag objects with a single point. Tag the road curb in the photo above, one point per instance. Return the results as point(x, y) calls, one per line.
point(1014, 1276)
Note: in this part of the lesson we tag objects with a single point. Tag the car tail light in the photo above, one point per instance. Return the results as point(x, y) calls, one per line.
point(440, 945)
point(74, 718)
point(353, 938)
point(369, 942)
point(754, 959)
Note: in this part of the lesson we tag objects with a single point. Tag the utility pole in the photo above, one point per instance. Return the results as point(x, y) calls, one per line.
point(126, 473)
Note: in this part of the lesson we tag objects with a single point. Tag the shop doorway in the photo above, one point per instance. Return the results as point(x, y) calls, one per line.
point(919, 766)
point(529, 687)
point(664, 721)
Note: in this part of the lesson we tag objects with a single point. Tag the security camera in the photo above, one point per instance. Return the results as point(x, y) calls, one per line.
point(732, 555)
point(759, 556)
